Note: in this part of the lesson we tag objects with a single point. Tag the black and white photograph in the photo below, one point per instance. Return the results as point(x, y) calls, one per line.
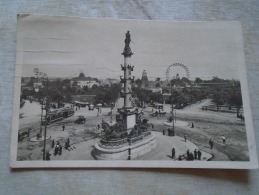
point(130, 93)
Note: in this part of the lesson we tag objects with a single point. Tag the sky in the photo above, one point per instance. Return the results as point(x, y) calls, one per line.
point(66, 46)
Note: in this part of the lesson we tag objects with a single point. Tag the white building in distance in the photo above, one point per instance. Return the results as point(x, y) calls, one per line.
point(83, 81)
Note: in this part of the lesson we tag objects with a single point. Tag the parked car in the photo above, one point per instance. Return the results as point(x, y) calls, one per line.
point(80, 120)
point(91, 107)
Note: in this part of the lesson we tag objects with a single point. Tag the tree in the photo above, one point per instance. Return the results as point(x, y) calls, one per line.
point(198, 80)
point(85, 88)
point(107, 94)
point(219, 98)
point(156, 97)
point(138, 82)
point(235, 97)
point(142, 95)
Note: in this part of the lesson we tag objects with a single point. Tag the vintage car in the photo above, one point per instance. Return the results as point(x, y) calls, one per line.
point(91, 107)
point(80, 120)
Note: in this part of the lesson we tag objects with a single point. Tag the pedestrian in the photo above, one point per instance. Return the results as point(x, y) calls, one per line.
point(63, 127)
point(185, 137)
point(195, 154)
point(188, 154)
point(223, 139)
point(66, 145)
point(192, 125)
point(163, 132)
point(53, 143)
point(211, 144)
point(199, 155)
point(56, 150)
point(173, 153)
point(28, 132)
point(206, 108)
point(129, 154)
point(191, 157)
point(48, 155)
point(60, 150)
point(68, 141)
point(98, 126)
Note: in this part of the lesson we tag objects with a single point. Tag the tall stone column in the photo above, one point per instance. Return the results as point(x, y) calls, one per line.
point(127, 68)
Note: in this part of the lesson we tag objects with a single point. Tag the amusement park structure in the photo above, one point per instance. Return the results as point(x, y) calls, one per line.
point(130, 136)
point(176, 70)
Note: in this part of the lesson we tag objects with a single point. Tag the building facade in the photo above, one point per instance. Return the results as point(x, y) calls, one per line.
point(83, 81)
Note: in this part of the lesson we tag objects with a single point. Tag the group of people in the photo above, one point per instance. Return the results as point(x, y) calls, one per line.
point(170, 131)
point(57, 148)
point(196, 155)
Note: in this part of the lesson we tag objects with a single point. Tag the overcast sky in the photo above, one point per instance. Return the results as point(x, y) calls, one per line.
point(66, 46)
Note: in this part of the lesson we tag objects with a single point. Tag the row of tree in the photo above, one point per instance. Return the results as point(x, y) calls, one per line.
point(221, 91)
point(62, 91)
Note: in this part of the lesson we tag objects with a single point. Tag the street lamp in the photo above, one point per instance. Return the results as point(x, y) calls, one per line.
point(40, 134)
point(43, 77)
point(112, 106)
point(172, 105)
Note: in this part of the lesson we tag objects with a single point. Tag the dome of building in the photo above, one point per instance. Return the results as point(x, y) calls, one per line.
point(81, 75)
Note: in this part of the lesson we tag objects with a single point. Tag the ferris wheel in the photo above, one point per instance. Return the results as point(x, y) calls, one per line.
point(177, 70)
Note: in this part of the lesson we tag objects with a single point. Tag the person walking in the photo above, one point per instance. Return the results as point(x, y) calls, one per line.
point(28, 133)
point(53, 143)
point(192, 125)
point(63, 127)
point(185, 137)
point(188, 154)
point(223, 139)
point(163, 132)
point(195, 154)
point(56, 150)
point(173, 153)
point(48, 155)
point(199, 155)
point(211, 144)
point(60, 150)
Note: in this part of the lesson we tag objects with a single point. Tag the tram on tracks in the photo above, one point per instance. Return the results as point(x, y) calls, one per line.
point(58, 114)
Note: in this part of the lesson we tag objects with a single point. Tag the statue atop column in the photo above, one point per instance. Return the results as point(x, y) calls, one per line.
point(127, 49)
point(127, 39)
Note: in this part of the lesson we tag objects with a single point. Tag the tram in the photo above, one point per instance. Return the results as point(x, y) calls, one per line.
point(58, 114)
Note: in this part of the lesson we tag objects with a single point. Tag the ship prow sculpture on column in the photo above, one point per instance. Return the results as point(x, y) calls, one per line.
point(130, 136)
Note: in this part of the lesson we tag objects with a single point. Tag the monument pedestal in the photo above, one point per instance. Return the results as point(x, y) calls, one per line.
point(125, 152)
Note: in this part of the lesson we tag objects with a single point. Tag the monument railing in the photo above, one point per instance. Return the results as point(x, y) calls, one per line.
point(115, 142)
point(139, 138)
point(120, 142)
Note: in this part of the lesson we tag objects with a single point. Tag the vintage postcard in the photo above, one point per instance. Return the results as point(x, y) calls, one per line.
point(130, 93)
